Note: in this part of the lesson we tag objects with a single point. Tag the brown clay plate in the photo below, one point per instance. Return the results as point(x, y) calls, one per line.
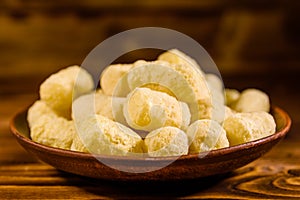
point(190, 166)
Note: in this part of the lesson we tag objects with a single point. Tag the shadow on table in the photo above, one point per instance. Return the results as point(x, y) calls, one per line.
point(178, 188)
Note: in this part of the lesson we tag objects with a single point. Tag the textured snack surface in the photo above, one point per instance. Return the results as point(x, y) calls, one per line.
point(214, 82)
point(111, 75)
point(231, 96)
point(60, 88)
point(49, 129)
point(200, 89)
point(101, 135)
point(245, 127)
point(146, 109)
point(98, 103)
point(37, 109)
point(77, 144)
point(170, 101)
point(166, 141)
point(252, 100)
point(175, 56)
point(206, 135)
point(183, 72)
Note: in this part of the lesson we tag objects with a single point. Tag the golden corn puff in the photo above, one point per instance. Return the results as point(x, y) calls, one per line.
point(61, 88)
point(245, 127)
point(206, 135)
point(166, 141)
point(101, 135)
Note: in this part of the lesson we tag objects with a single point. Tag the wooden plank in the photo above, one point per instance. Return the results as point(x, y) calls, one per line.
point(66, 6)
point(241, 39)
point(44, 44)
point(261, 180)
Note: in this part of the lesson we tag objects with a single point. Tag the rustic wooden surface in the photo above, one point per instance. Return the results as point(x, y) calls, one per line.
point(254, 43)
point(249, 36)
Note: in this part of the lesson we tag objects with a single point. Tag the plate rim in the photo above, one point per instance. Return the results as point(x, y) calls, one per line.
point(213, 153)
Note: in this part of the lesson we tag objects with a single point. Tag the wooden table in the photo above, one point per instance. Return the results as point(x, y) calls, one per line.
point(275, 175)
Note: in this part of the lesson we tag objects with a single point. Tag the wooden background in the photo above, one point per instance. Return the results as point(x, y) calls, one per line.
point(255, 43)
point(243, 37)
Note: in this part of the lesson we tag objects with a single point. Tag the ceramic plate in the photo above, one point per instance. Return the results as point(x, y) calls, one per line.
point(185, 167)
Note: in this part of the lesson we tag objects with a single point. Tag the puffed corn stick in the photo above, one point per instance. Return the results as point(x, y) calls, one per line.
point(98, 103)
point(166, 141)
point(245, 127)
point(205, 135)
point(146, 109)
point(101, 135)
point(252, 100)
point(61, 88)
point(46, 127)
point(111, 75)
point(231, 96)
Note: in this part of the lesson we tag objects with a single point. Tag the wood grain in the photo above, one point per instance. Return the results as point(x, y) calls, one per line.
point(259, 180)
point(248, 37)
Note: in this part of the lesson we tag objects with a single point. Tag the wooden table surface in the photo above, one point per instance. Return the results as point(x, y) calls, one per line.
point(275, 175)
